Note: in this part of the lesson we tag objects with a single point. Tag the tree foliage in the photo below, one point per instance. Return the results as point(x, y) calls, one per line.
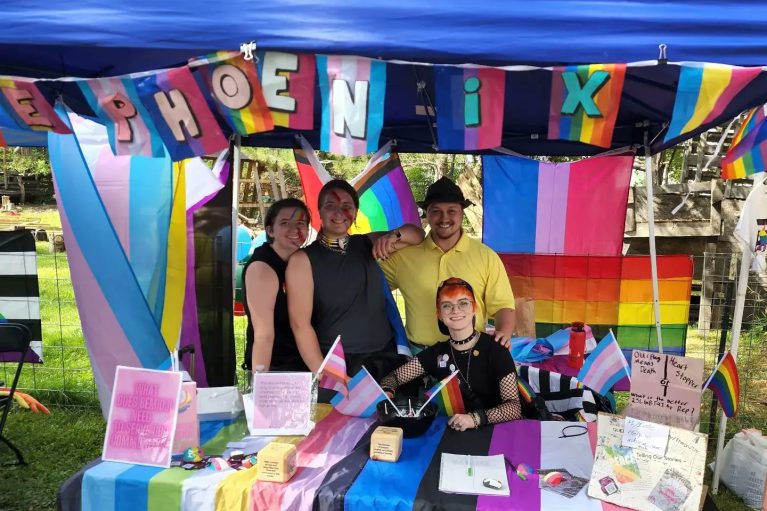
point(25, 161)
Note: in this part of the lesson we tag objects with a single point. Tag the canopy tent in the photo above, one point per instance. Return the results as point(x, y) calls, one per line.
point(92, 38)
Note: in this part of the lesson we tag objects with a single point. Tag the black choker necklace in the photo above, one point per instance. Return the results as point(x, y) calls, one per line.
point(336, 245)
point(463, 341)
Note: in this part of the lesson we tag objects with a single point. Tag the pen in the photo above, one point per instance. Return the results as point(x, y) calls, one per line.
point(469, 470)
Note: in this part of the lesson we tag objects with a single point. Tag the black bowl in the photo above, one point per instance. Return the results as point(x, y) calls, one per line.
point(411, 426)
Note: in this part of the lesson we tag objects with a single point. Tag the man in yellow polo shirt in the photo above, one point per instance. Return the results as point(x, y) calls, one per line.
point(449, 252)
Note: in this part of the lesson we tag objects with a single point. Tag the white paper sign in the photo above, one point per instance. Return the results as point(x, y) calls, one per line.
point(282, 404)
point(644, 435)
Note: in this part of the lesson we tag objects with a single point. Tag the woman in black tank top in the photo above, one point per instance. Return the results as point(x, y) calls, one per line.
point(335, 286)
point(270, 342)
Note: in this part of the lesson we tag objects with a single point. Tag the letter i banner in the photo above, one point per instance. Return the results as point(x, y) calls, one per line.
point(469, 107)
point(233, 85)
point(180, 113)
point(353, 91)
point(129, 126)
point(28, 107)
point(584, 103)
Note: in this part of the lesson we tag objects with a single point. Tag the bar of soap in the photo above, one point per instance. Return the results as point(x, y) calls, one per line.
point(386, 444)
point(276, 462)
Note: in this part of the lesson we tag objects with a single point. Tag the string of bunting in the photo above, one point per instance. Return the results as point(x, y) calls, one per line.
point(191, 109)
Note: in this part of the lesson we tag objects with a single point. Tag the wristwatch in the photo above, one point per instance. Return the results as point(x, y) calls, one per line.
point(397, 234)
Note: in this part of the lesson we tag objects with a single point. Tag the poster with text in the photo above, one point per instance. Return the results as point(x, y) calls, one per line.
point(665, 389)
point(142, 416)
point(282, 403)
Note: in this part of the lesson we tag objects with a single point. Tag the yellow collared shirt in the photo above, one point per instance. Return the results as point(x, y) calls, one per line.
point(417, 271)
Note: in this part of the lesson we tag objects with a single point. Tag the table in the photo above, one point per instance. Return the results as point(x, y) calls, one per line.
point(335, 472)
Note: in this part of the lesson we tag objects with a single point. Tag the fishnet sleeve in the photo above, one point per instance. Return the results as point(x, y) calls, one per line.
point(403, 374)
point(510, 408)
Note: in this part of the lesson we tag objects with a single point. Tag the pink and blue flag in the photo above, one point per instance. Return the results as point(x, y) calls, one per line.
point(180, 113)
point(469, 107)
point(116, 103)
point(605, 366)
point(577, 208)
point(364, 395)
point(332, 372)
point(353, 92)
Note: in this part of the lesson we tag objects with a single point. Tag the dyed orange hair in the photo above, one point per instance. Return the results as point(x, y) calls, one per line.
point(454, 288)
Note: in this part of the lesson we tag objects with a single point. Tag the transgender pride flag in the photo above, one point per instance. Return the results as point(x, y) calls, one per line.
point(364, 395)
point(577, 208)
point(605, 366)
point(469, 107)
point(353, 91)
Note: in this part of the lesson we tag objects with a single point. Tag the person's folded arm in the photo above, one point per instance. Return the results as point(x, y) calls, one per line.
point(510, 408)
point(405, 373)
point(299, 284)
point(386, 243)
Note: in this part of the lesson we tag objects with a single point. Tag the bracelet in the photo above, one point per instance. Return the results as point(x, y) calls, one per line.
point(476, 421)
point(397, 234)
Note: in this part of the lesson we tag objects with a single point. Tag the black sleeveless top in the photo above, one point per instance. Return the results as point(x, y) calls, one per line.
point(285, 355)
point(349, 297)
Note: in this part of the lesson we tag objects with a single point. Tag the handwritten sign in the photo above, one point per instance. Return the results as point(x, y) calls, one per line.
point(187, 425)
point(665, 389)
point(644, 435)
point(637, 478)
point(142, 416)
point(282, 404)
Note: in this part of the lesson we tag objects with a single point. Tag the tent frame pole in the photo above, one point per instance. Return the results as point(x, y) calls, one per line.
point(740, 304)
point(649, 171)
point(235, 206)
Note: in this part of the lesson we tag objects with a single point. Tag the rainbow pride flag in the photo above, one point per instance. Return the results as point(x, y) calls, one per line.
point(447, 394)
point(180, 113)
point(28, 107)
point(725, 384)
point(386, 200)
point(232, 83)
point(468, 113)
point(747, 154)
point(703, 92)
point(574, 208)
point(606, 292)
point(584, 102)
point(353, 93)
point(116, 103)
point(287, 80)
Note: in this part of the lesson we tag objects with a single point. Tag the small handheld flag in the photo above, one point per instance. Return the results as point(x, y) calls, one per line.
point(447, 395)
point(725, 384)
point(332, 371)
point(605, 366)
point(364, 395)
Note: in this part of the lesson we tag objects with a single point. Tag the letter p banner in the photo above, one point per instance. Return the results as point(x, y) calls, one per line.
point(582, 96)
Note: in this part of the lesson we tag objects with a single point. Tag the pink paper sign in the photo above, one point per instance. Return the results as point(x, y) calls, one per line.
point(187, 427)
point(665, 389)
point(142, 416)
point(282, 403)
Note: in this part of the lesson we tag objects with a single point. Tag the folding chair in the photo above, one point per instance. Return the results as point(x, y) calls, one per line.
point(14, 338)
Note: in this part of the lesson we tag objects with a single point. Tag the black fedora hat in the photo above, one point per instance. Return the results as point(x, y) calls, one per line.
point(444, 190)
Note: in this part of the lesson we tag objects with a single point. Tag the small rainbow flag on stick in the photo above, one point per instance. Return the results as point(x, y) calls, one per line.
point(703, 93)
point(725, 384)
point(332, 371)
point(748, 151)
point(584, 103)
point(447, 395)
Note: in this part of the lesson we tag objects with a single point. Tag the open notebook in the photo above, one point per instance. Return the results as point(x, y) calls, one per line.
point(461, 473)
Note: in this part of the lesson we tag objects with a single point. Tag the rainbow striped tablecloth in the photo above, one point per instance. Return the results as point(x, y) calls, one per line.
point(335, 473)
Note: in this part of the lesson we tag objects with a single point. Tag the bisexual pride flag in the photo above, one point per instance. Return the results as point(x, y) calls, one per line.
point(584, 102)
point(469, 107)
point(118, 107)
point(353, 91)
point(703, 92)
point(575, 208)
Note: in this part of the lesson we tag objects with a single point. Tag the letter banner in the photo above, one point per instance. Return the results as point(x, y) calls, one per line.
point(29, 108)
point(287, 80)
point(353, 91)
point(118, 106)
point(235, 90)
point(584, 103)
point(179, 111)
point(469, 107)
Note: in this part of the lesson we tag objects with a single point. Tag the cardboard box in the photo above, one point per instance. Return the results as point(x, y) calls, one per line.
point(277, 462)
point(386, 444)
